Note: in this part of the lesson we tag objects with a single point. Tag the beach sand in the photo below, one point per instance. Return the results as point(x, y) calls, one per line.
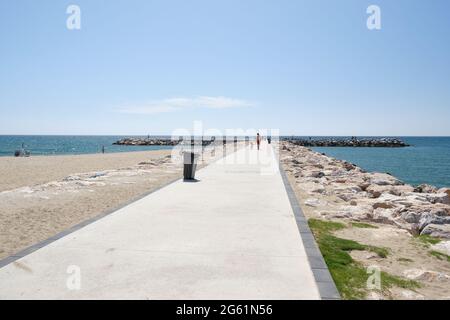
point(20, 172)
point(43, 195)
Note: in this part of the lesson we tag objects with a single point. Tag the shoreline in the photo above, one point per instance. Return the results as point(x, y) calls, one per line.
point(165, 148)
point(33, 155)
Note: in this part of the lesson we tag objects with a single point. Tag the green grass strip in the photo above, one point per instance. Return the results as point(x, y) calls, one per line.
point(350, 276)
point(440, 255)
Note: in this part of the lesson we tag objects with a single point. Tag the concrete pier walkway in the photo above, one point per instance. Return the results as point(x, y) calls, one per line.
point(231, 235)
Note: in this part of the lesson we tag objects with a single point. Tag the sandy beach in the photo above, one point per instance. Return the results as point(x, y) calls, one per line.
point(20, 172)
point(44, 195)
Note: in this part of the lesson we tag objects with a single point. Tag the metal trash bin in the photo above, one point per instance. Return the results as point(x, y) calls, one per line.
point(190, 165)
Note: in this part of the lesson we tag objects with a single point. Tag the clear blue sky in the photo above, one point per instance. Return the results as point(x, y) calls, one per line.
point(305, 67)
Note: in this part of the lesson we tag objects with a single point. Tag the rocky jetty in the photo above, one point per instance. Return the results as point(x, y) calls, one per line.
point(159, 142)
point(339, 189)
point(351, 142)
point(146, 142)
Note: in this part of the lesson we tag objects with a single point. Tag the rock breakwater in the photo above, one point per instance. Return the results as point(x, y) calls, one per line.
point(351, 142)
point(160, 142)
point(146, 142)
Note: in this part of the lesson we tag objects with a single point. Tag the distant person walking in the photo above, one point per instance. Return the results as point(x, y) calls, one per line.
point(258, 140)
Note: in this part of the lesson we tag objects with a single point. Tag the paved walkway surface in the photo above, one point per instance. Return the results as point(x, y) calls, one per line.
point(231, 235)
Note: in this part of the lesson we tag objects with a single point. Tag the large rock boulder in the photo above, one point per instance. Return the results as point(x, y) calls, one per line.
point(388, 201)
point(437, 230)
point(363, 185)
point(348, 166)
point(428, 197)
point(438, 197)
point(411, 217)
point(442, 247)
point(440, 210)
point(425, 188)
point(347, 188)
point(425, 275)
point(313, 202)
point(383, 204)
point(429, 218)
point(444, 190)
point(401, 190)
point(384, 179)
point(382, 215)
point(358, 212)
point(316, 174)
point(312, 187)
point(347, 196)
point(376, 191)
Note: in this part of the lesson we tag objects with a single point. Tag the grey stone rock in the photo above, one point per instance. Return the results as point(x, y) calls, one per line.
point(411, 217)
point(425, 188)
point(437, 230)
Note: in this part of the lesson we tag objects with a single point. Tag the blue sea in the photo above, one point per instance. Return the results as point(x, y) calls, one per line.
point(426, 161)
point(59, 145)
